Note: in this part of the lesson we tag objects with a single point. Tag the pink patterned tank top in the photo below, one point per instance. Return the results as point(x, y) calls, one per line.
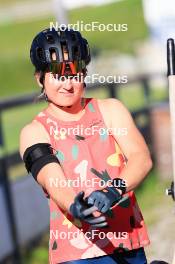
point(89, 156)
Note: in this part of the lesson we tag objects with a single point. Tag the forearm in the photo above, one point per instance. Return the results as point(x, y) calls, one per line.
point(65, 197)
point(56, 185)
point(136, 169)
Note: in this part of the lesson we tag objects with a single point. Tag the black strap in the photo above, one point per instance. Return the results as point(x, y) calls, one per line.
point(35, 152)
point(40, 163)
point(37, 156)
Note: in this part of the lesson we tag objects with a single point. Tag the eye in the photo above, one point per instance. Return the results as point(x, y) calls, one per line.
point(79, 77)
point(76, 77)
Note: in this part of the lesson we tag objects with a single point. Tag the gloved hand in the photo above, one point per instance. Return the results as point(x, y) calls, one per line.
point(81, 210)
point(104, 199)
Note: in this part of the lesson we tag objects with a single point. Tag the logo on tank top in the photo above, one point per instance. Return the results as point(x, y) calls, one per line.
point(96, 122)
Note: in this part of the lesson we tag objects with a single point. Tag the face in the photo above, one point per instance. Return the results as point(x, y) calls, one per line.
point(63, 91)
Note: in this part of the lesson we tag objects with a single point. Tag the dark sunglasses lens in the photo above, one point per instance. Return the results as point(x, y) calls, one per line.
point(69, 68)
point(56, 68)
point(79, 65)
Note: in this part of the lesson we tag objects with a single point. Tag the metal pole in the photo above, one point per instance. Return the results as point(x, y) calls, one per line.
point(112, 90)
point(4, 180)
point(171, 81)
point(146, 90)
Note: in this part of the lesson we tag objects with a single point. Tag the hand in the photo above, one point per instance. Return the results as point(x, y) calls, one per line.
point(81, 210)
point(104, 199)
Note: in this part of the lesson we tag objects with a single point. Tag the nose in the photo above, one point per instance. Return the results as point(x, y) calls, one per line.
point(68, 84)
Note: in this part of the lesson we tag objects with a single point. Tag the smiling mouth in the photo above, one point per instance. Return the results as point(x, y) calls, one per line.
point(67, 92)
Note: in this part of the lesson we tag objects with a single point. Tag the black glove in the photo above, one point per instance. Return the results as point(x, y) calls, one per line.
point(104, 199)
point(81, 210)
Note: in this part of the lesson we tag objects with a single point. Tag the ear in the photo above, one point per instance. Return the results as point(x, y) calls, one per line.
point(37, 77)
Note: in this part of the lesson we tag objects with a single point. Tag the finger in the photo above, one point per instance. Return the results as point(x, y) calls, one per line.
point(100, 206)
point(95, 220)
point(106, 206)
point(96, 203)
point(89, 211)
point(86, 200)
point(104, 209)
point(79, 196)
point(102, 225)
point(90, 200)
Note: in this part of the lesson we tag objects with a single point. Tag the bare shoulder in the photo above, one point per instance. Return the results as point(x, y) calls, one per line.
point(110, 103)
point(109, 107)
point(32, 133)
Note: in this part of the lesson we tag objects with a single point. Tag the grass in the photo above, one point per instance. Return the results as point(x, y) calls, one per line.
point(124, 12)
point(150, 194)
point(39, 254)
point(15, 67)
point(14, 120)
point(10, 2)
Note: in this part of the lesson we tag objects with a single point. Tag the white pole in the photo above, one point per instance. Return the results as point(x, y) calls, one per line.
point(171, 81)
point(60, 12)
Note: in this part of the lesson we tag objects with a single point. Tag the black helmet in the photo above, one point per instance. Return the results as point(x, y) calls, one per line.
point(51, 41)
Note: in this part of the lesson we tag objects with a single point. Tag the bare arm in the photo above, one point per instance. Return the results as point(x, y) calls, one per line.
point(34, 133)
point(132, 145)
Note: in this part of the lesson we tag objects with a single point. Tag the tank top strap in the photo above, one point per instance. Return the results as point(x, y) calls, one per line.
point(44, 120)
point(93, 107)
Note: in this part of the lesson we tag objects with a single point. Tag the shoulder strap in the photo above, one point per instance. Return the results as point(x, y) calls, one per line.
point(44, 120)
point(93, 107)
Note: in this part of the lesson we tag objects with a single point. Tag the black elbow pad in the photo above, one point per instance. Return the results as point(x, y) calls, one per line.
point(37, 156)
